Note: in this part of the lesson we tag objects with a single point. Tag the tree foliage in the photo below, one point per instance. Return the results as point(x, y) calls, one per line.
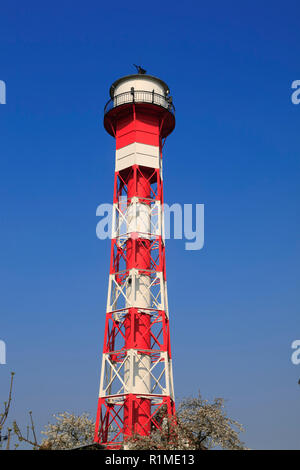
point(198, 425)
point(68, 431)
point(5, 435)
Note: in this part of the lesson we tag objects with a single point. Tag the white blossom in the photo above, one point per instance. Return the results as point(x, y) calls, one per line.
point(69, 431)
point(198, 425)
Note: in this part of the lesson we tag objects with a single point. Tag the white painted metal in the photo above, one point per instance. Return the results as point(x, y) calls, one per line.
point(120, 220)
point(138, 218)
point(138, 371)
point(140, 82)
point(136, 375)
point(121, 296)
point(138, 293)
point(137, 154)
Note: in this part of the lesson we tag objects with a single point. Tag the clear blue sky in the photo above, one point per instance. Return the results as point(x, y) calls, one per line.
point(235, 303)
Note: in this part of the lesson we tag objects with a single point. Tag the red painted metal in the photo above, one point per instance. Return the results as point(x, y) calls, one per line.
point(140, 329)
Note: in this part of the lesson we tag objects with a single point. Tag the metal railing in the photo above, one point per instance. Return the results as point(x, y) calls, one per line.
point(137, 96)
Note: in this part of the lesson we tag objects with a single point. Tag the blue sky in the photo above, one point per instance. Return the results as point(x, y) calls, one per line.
point(235, 303)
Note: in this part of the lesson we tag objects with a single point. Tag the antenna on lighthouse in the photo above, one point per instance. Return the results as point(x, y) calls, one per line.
point(136, 384)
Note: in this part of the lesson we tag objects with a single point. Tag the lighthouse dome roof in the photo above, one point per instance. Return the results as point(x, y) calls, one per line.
point(140, 82)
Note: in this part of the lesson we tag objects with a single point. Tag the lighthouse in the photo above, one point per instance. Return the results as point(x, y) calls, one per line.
point(136, 381)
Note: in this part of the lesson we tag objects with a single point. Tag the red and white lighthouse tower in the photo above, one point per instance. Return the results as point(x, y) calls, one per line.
point(136, 384)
